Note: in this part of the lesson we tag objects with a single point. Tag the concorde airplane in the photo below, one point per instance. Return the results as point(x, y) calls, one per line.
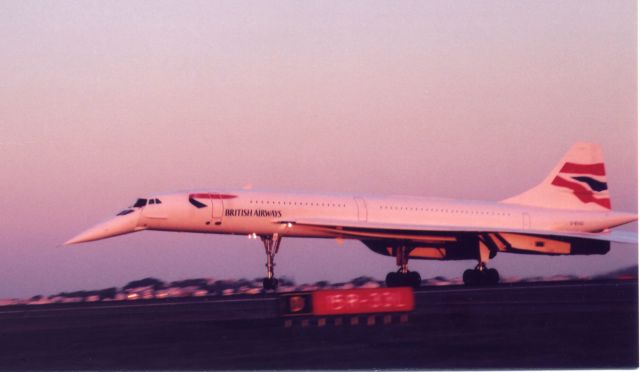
point(569, 213)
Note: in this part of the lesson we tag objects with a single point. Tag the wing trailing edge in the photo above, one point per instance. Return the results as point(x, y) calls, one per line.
point(372, 230)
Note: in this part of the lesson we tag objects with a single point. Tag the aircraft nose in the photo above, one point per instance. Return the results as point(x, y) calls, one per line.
point(124, 223)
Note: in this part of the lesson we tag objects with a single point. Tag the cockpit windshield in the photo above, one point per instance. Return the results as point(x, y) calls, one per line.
point(139, 203)
point(142, 202)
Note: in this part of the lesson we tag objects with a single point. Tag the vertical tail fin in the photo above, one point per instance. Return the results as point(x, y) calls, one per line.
point(577, 182)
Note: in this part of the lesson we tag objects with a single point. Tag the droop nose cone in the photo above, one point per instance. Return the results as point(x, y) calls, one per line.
point(116, 226)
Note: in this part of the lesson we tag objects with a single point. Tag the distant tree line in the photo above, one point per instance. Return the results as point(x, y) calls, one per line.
point(101, 293)
point(215, 287)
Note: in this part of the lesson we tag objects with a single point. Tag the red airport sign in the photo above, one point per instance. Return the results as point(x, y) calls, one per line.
point(362, 301)
point(349, 301)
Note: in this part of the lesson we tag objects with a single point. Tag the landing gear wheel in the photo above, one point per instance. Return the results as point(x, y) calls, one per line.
point(410, 279)
point(393, 279)
point(269, 283)
point(403, 277)
point(492, 277)
point(481, 277)
point(471, 277)
point(414, 279)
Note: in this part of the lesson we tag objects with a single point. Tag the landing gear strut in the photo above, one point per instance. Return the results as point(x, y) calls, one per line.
point(481, 276)
point(403, 277)
point(271, 247)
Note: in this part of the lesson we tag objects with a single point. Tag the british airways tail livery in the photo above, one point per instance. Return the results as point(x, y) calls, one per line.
point(569, 213)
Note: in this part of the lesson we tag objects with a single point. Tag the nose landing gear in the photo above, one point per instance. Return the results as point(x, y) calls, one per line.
point(271, 247)
point(403, 277)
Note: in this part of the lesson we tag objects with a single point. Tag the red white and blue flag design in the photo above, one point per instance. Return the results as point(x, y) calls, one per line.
point(587, 181)
point(198, 204)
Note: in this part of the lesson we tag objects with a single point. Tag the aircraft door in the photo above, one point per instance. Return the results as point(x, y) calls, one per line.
point(362, 209)
point(217, 209)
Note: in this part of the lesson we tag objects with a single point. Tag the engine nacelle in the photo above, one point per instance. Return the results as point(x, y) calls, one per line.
point(465, 248)
point(587, 247)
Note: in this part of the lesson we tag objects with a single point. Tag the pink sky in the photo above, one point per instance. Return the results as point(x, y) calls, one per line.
point(102, 102)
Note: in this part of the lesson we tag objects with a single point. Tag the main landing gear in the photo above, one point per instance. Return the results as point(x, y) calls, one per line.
point(403, 277)
point(271, 247)
point(481, 275)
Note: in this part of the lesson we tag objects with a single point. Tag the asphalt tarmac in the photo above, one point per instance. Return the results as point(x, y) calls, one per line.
point(544, 325)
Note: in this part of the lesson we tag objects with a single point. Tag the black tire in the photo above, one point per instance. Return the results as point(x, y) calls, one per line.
point(269, 283)
point(392, 279)
point(492, 277)
point(414, 279)
point(469, 277)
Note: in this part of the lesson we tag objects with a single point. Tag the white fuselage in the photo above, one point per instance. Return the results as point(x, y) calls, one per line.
point(250, 212)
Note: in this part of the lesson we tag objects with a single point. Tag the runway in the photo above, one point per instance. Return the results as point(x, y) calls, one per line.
point(542, 325)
